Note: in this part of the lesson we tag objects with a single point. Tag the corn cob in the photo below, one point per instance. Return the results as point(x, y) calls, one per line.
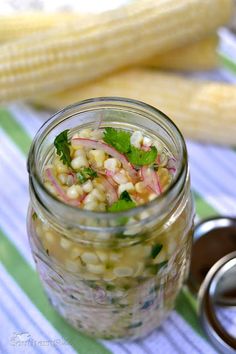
point(204, 110)
point(200, 55)
point(89, 48)
point(16, 26)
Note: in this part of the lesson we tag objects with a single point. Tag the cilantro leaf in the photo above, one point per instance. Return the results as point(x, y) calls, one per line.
point(156, 249)
point(135, 325)
point(34, 216)
point(125, 196)
point(140, 157)
point(62, 146)
point(154, 268)
point(123, 203)
point(119, 139)
point(84, 174)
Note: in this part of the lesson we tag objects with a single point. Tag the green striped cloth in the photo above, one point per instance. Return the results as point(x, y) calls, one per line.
point(29, 323)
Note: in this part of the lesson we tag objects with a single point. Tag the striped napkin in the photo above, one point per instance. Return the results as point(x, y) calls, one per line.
point(28, 323)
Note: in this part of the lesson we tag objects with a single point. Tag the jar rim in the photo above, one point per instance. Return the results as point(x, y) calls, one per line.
point(113, 102)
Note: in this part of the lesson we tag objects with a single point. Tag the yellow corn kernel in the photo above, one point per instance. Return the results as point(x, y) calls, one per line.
point(19, 25)
point(200, 55)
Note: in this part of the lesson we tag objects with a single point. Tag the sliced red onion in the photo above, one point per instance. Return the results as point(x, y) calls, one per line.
point(95, 144)
point(60, 191)
point(145, 177)
point(71, 178)
point(150, 179)
point(172, 170)
point(161, 159)
point(111, 181)
point(156, 182)
point(111, 193)
point(171, 165)
point(109, 173)
point(55, 184)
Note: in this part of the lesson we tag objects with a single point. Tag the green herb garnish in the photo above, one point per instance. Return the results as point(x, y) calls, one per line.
point(140, 157)
point(86, 173)
point(125, 196)
point(110, 287)
point(119, 139)
point(62, 146)
point(124, 203)
point(34, 216)
point(156, 249)
point(154, 268)
point(135, 325)
point(147, 304)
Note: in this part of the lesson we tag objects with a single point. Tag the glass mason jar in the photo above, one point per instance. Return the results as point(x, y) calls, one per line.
point(102, 271)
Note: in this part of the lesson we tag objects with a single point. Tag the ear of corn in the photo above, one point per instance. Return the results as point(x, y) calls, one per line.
point(203, 110)
point(89, 48)
point(24, 24)
point(200, 55)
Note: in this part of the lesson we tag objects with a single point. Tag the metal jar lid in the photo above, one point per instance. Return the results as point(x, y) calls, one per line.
point(214, 238)
point(213, 277)
point(220, 280)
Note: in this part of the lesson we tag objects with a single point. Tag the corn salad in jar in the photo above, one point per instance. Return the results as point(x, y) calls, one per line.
point(111, 215)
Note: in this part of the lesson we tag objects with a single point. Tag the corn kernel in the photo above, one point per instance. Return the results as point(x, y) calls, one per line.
point(90, 198)
point(49, 236)
point(144, 215)
point(65, 243)
point(80, 152)
point(112, 164)
point(60, 167)
point(159, 146)
point(172, 246)
point(97, 184)
point(98, 156)
point(87, 186)
point(91, 206)
point(139, 269)
point(123, 271)
point(72, 266)
point(103, 256)
point(102, 207)
point(120, 178)
point(72, 192)
point(97, 134)
point(109, 276)
point(96, 268)
point(85, 133)
point(115, 256)
point(161, 257)
point(147, 141)
point(50, 188)
point(98, 195)
point(152, 196)
point(79, 161)
point(129, 187)
point(140, 187)
point(163, 159)
point(136, 139)
point(75, 252)
point(62, 178)
point(90, 257)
